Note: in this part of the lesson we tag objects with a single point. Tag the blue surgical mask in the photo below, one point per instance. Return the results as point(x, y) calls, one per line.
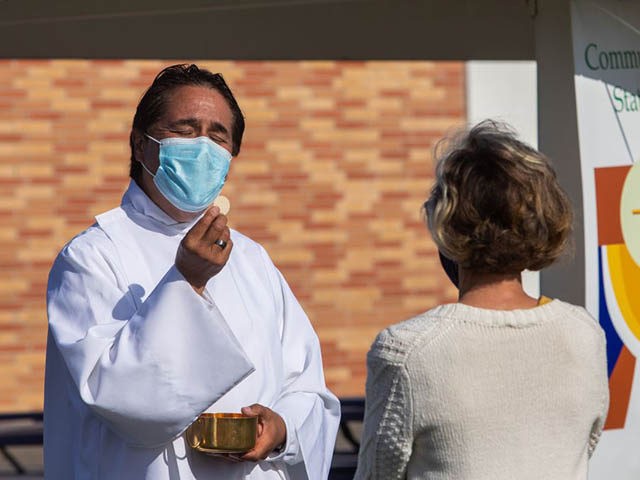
point(192, 171)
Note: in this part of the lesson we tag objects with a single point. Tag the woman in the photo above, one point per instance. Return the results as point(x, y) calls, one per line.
point(498, 385)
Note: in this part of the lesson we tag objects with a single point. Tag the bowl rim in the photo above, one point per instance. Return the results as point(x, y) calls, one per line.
point(234, 416)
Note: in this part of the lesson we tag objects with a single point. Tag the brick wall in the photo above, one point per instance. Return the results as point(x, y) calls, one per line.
point(335, 165)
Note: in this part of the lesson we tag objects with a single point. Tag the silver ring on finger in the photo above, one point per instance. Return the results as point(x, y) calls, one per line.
point(221, 243)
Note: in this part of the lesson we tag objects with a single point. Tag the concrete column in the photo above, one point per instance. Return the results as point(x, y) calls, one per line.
point(506, 91)
point(558, 135)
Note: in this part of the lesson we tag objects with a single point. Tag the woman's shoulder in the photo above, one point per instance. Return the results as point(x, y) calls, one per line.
point(579, 315)
point(398, 340)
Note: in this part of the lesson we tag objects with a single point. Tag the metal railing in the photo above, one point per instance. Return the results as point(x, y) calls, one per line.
point(19, 429)
point(26, 429)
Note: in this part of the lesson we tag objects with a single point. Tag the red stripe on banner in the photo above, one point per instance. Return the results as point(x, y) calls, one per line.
point(620, 389)
point(609, 182)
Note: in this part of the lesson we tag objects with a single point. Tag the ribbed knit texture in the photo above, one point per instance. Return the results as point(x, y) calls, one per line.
point(471, 394)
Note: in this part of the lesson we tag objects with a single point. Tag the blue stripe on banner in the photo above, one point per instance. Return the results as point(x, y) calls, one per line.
point(614, 342)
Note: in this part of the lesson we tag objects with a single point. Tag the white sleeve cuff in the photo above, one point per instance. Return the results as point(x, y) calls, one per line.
point(291, 453)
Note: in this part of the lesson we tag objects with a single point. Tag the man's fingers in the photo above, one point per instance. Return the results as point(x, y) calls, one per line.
point(216, 229)
point(200, 228)
point(259, 451)
point(218, 242)
point(199, 258)
point(271, 432)
point(210, 237)
point(257, 410)
point(253, 410)
point(256, 454)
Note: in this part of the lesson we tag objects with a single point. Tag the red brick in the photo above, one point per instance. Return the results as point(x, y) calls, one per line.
point(301, 189)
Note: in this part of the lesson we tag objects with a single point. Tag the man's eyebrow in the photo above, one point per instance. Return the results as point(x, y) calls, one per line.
point(218, 127)
point(191, 122)
point(195, 123)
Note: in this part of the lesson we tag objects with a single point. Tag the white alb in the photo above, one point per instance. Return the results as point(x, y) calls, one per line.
point(134, 355)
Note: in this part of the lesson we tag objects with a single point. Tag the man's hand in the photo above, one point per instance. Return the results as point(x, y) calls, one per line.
point(272, 432)
point(199, 258)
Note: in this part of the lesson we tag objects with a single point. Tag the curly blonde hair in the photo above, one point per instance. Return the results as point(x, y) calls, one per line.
point(496, 205)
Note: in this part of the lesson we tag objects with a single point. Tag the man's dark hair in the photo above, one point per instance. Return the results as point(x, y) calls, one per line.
point(153, 103)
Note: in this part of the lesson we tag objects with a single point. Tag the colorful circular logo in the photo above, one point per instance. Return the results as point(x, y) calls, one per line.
point(623, 261)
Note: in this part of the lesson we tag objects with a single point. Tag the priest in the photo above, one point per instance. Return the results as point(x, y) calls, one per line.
point(160, 312)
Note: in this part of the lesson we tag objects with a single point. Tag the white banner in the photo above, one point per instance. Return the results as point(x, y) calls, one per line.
point(606, 49)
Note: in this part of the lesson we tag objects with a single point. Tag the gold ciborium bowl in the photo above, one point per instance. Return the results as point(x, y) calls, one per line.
point(222, 433)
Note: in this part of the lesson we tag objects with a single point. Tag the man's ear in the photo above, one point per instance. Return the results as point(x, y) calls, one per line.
point(137, 140)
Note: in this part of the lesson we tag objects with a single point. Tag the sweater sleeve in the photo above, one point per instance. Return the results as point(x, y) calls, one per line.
point(598, 425)
point(387, 436)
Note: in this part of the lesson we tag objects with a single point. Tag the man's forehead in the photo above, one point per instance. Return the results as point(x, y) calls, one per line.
point(195, 101)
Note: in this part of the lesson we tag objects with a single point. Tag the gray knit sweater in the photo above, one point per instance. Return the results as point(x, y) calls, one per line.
point(471, 394)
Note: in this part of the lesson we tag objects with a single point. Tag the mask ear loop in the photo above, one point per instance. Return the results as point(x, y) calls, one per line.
point(148, 171)
point(151, 138)
point(142, 163)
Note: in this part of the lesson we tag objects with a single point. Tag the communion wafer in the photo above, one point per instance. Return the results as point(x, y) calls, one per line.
point(223, 204)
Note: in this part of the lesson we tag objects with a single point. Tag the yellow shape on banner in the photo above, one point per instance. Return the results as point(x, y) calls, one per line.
point(625, 278)
point(630, 212)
